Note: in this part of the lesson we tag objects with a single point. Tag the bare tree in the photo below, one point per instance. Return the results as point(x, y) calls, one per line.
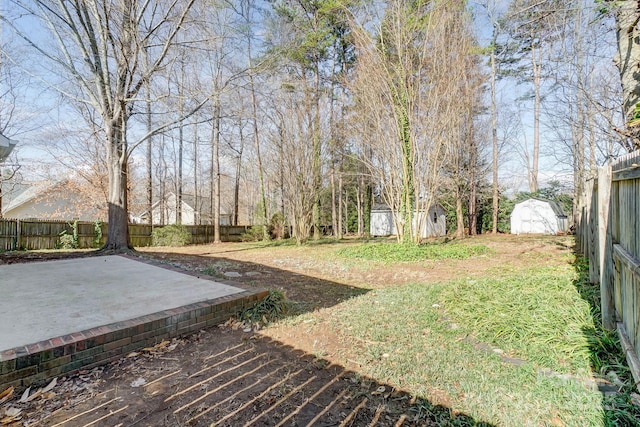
point(13, 123)
point(407, 100)
point(463, 150)
point(493, 15)
point(99, 45)
point(532, 25)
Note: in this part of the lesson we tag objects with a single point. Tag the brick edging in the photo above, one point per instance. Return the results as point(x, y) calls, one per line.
point(25, 365)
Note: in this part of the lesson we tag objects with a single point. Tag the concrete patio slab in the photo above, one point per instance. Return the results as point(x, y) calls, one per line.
point(58, 316)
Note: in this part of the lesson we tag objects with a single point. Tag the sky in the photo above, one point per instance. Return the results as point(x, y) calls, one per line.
point(45, 110)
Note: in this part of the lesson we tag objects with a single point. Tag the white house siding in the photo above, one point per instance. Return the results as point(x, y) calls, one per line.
point(169, 214)
point(535, 216)
point(52, 202)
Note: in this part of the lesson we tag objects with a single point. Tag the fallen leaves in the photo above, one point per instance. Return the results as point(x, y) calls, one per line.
point(10, 415)
point(162, 347)
point(6, 395)
point(42, 392)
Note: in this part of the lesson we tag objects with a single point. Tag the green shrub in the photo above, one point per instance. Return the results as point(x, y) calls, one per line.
point(170, 235)
point(253, 234)
point(278, 226)
point(273, 307)
point(69, 241)
point(97, 234)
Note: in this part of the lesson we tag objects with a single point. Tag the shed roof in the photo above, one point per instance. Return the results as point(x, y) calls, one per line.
point(555, 206)
point(383, 207)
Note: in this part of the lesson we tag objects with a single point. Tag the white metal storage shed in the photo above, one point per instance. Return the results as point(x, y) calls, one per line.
point(538, 216)
point(382, 221)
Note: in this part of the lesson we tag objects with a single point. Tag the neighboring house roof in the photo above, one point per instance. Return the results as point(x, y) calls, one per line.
point(32, 192)
point(54, 200)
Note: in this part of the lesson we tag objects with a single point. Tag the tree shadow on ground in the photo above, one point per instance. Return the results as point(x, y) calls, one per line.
point(607, 359)
point(305, 292)
point(226, 377)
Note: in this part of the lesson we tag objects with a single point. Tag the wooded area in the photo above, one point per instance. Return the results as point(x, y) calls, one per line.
point(306, 113)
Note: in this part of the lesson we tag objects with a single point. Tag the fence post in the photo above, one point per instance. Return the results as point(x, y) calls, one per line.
point(18, 235)
point(605, 247)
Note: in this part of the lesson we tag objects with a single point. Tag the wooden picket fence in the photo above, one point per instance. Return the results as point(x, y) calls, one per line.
point(608, 233)
point(43, 234)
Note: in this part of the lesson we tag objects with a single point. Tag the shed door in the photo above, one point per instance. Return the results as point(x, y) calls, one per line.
point(535, 221)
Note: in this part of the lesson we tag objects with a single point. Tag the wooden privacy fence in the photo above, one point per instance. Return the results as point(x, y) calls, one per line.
point(40, 234)
point(608, 232)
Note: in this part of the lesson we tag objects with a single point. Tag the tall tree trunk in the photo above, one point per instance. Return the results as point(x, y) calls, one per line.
point(473, 166)
point(334, 207)
point(281, 157)
point(215, 171)
point(117, 159)
point(359, 205)
point(537, 70)
point(196, 189)
point(149, 155)
point(346, 210)
point(180, 161)
point(459, 213)
point(494, 140)
point(317, 154)
point(340, 224)
point(163, 185)
point(236, 187)
point(256, 141)
point(578, 135)
point(473, 213)
point(407, 202)
point(333, 145)
point(1, 180)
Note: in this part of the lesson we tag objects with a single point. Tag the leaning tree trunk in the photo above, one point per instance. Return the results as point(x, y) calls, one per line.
point(627, 14)
point(118, 219)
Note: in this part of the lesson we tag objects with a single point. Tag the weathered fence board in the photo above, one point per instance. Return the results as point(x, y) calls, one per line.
point(8, 233)
point(39, 234)
point(608, 233)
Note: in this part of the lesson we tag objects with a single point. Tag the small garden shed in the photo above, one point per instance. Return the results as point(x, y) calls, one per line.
point(538, 216)
point(382, 221)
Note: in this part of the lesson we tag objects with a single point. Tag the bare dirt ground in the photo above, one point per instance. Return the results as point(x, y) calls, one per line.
point(281, 375)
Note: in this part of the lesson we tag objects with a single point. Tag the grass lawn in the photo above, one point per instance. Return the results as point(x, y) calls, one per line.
point(513, 346)
point(487, 331)
point(457, 339)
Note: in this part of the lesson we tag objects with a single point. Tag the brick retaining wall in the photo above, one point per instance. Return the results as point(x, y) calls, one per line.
point(35, 363)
